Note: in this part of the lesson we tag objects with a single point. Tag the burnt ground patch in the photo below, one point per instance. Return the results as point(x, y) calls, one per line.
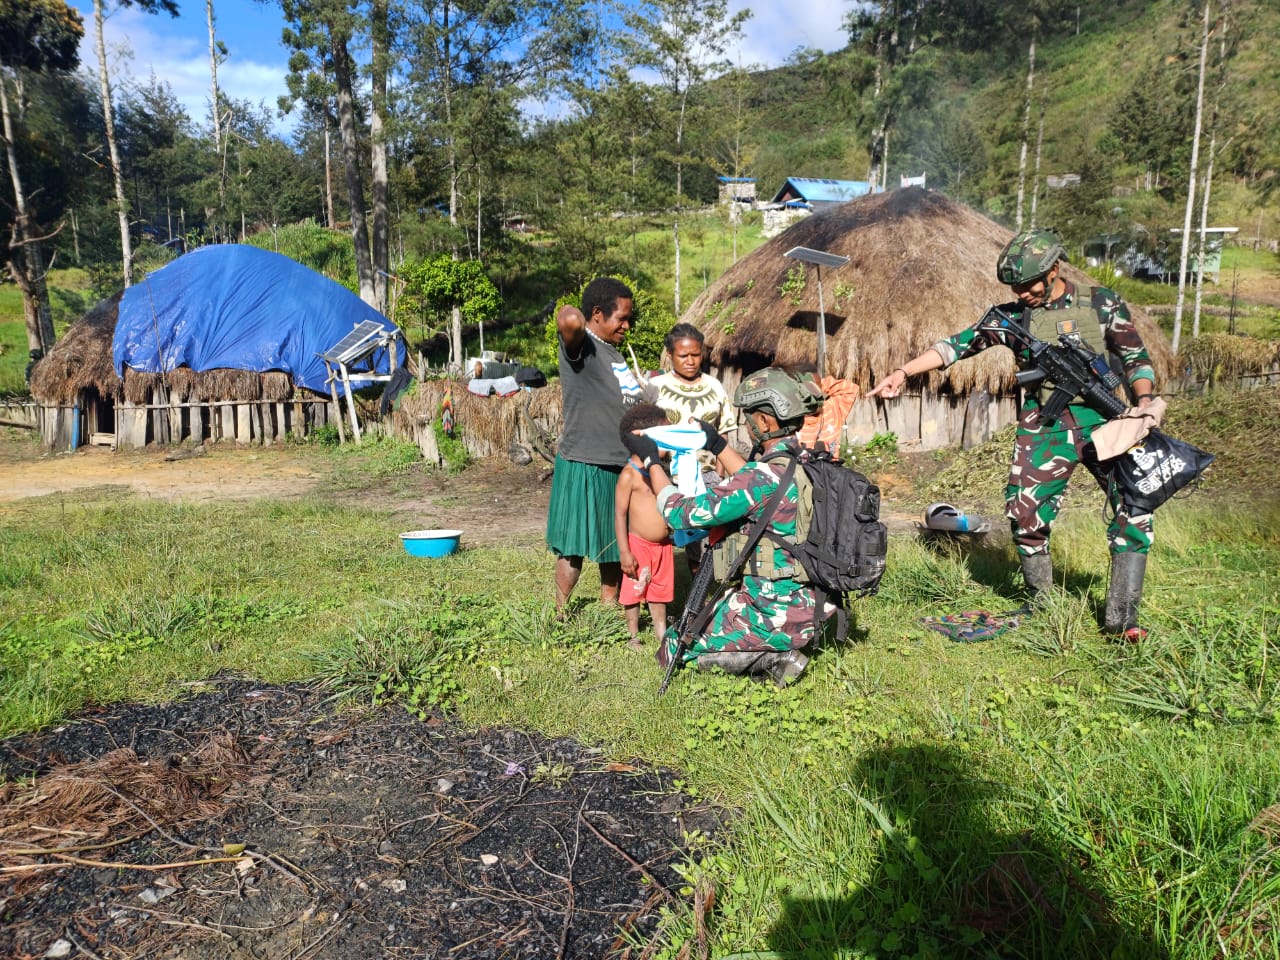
point(258, 821)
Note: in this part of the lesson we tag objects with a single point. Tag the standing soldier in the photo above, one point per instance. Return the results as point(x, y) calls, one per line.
point(1045, 455)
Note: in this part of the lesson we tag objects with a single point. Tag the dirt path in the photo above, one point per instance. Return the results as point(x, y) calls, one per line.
point(492, 502)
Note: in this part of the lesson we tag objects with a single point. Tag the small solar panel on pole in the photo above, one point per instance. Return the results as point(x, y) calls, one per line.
point(820, 259)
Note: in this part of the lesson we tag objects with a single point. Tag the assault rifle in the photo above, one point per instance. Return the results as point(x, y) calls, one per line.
point(693, 606)
point(1146, 475)
point(1072, 368)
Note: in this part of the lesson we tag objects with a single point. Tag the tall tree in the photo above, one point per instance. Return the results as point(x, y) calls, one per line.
point(35, 36)
point(321, 33)
point(684, 43)
point(466, 63)
point(108, 117)
point(1174, 340)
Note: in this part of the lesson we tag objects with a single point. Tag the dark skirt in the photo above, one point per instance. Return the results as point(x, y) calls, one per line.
point(580, 517)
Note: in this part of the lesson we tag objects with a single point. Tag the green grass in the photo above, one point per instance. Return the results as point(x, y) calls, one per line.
point(1046, 794)
point(69, 290)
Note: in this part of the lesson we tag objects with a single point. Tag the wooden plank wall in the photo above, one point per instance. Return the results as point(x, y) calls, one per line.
point(240, 422)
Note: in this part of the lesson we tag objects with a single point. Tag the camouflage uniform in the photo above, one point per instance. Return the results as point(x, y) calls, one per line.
point(1044, 457)
point(760, 615)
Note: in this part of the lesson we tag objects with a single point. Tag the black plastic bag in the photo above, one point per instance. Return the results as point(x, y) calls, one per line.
point(1154, 470)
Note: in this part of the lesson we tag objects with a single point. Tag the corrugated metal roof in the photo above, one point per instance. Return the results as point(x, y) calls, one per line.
point(821, 190)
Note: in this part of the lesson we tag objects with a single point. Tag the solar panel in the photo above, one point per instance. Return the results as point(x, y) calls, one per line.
point(363, 339)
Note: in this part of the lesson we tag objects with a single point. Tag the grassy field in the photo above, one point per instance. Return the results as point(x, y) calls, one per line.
point(1043, 794)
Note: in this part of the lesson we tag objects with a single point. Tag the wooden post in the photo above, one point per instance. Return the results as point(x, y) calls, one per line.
point(243, 432)
point(226, 421)
point(299, 421)
point(351, 406)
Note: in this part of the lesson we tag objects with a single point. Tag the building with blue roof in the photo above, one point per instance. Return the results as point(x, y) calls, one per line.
point(818, 192)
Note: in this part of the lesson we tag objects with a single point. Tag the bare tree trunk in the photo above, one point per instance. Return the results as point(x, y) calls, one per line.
point(351, 161)
point(328, 175)
point(1035, 178)
point(675, 226)
point(108, 121)
point(214, 111)
point(1204, 223)
point(455, 327)
point(378, 134)
point(1191, 192)
point(1026, 130)
point(26, 259)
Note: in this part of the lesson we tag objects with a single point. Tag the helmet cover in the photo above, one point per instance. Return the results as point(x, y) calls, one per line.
point(1029, 256)
point(778, 392)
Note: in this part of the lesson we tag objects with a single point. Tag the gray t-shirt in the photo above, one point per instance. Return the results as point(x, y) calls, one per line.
point(592, 385)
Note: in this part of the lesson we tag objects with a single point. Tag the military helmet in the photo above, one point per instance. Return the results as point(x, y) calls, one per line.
point(1029, 256)
point(778, 392)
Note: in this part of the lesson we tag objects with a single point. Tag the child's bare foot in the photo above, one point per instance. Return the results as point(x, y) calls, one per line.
point(635, 643)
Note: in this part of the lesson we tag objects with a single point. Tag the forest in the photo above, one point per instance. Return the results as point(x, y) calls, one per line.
point(528, 143)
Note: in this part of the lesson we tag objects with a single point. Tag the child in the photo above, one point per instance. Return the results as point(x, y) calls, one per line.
point(644, 544)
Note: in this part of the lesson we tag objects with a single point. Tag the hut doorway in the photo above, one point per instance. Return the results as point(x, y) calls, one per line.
point(99, 419)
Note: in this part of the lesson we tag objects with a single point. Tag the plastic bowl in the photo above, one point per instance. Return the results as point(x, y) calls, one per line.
point(430, 543)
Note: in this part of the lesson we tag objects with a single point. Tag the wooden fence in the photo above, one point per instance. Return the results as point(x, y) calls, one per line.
point(135, 425)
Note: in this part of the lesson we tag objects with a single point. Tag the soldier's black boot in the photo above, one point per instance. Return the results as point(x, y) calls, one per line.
point(1037, 574)
point(1124, 596)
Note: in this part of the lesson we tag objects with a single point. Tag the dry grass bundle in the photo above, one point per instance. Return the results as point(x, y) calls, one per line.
point(488, 424)
point(81, 359)
point(277, 386)
point(140, 387)
point(182, 384)
point(921, 267)
point(1224, 356)
point(225, 383)
point(120, 794)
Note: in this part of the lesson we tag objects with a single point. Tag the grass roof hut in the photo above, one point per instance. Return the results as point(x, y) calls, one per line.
point(225, 342)
point(921, 267)
point(81, 400)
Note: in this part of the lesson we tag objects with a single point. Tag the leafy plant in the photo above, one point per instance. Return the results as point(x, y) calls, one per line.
point(409, 654)
point(452, 450)
point(792, 288)
point(436, 285)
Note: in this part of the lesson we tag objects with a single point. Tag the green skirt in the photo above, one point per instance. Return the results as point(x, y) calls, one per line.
point(580, 517)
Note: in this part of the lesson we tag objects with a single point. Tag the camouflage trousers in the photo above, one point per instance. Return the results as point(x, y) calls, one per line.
point(1043, 460)
point(759, 616)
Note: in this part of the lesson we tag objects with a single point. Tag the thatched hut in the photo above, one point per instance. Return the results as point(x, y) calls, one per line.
point(921, 266)
point(225, 342)
point(81, 399)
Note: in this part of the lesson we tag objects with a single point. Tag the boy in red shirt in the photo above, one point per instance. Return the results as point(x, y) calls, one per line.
point(644, 542)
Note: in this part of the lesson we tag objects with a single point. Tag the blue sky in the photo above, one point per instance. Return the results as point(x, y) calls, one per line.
point(177, 50)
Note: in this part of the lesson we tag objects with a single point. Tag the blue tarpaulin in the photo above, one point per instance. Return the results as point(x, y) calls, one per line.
point(236, 306)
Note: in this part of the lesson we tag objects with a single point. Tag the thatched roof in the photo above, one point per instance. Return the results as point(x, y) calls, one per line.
point(82, 360)
point(921, 267)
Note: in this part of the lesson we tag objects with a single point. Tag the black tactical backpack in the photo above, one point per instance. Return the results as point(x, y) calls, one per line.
point(840, 541)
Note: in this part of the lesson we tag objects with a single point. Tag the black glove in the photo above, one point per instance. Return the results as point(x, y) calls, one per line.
point(642, 446)
point(714, 442)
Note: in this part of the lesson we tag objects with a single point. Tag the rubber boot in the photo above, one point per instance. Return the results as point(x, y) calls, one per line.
point(785, 667)
point(736, 662)
point(1124, 596)
point(1037, 574)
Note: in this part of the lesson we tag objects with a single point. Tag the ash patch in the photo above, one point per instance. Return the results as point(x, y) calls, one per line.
point(255, 821)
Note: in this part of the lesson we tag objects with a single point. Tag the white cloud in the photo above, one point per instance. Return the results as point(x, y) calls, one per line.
point(776, 29)
point(137, 48)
